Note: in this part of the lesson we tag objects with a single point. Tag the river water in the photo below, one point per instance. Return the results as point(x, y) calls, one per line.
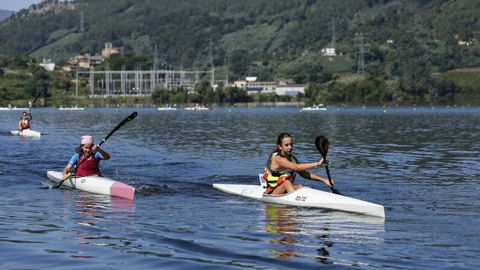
point(422, 164)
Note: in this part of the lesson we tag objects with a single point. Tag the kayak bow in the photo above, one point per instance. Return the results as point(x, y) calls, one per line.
point(306, 197)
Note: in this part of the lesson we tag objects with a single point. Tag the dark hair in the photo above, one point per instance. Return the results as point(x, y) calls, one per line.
point(79, 149)
point(280, 138)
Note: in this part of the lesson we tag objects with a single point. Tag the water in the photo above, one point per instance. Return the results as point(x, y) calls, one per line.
point(422, 165)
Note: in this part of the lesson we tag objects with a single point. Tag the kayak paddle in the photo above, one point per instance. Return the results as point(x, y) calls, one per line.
point(321, 142)
point(124, 121)
point(35, 99)
point(30, 105)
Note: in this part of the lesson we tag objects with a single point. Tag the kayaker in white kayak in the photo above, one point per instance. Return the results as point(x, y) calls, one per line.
point(91, 166)
point(282, 166)
point(24, 122)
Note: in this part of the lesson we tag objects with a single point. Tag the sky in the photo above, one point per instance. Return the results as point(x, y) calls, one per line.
point(16, 5)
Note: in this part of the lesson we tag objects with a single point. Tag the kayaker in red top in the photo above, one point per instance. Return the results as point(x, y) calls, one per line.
point(88, 150)
point(24, 122)
point(282, 166)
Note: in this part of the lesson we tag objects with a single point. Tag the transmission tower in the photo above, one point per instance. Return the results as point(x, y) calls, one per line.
point(82, 29)
point(361, 57)
point(333, 33)
point(210, 54)
point(155, 58)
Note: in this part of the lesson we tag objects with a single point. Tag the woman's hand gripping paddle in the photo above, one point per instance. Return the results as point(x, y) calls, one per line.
point(322, 143)
point(74, 169)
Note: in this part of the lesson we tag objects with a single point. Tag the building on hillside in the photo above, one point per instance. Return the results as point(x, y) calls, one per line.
point(47, 64)
point(464, 42)
point(85, 61)
point(329, 52)
point(108, 50)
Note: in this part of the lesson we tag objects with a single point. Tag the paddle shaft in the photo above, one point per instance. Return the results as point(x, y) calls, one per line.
point(322, 144)
point(74, 169)
point(328, 173)
point(33, 102)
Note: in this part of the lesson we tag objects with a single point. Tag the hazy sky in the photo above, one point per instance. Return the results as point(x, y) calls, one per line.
point(16, 5)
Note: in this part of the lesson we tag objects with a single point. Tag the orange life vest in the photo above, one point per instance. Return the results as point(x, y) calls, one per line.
point(276, 178)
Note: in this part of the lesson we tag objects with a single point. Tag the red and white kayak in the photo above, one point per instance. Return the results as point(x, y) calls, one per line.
point(95, 184)
point(26, 133)
point(306, 197)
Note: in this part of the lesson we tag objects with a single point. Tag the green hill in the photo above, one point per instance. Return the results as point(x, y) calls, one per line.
point(404, 42)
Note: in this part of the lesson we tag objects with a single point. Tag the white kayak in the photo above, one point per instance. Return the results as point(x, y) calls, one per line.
point(26, 133)
point(306, 197)
point(95, 184)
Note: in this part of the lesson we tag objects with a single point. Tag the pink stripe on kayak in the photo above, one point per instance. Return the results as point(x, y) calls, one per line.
point(122, 190)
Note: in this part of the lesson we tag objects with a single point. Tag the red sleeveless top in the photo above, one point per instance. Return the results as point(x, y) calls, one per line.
point(91, 166)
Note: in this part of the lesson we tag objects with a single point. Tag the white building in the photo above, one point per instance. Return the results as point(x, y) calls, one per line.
point(280, 88)
point(329, 52)
point(47, 64)
point(290, 89)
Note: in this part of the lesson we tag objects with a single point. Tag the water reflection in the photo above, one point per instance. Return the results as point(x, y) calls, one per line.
point(291, 229)
point(96, 218)
point(278, 221)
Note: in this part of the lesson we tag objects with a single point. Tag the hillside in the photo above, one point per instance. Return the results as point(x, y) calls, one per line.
point(403, 42)
point(5, 14)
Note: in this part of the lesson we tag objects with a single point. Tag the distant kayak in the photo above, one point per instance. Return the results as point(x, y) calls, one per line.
point(167, 108)
point(95, 184)
point(306, 197)
point(12, 109)
point(314, 108)
point(26, 133)
point(199, 108)
point(71, 108)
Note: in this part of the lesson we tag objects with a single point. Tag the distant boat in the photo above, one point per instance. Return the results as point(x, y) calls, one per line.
point(319, 107)
point(10, 108)
point(199, 108)
point(75, 108)
point(167, 108)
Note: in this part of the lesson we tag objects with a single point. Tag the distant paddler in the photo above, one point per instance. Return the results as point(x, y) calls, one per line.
point(24, 122)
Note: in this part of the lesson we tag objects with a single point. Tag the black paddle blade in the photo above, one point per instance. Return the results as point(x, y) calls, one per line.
point(36, 97)
point(321, 142)
point(335, 191)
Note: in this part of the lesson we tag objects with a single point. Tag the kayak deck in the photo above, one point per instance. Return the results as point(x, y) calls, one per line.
point(306, 197)
point(95, 184)
point(26, 133)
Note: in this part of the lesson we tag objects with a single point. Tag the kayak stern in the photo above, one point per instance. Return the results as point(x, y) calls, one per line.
point(122, 190)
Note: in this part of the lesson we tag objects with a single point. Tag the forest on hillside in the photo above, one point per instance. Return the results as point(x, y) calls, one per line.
point(401, 50)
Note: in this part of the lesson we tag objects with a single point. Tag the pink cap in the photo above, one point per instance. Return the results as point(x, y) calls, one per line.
point(87, 139)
